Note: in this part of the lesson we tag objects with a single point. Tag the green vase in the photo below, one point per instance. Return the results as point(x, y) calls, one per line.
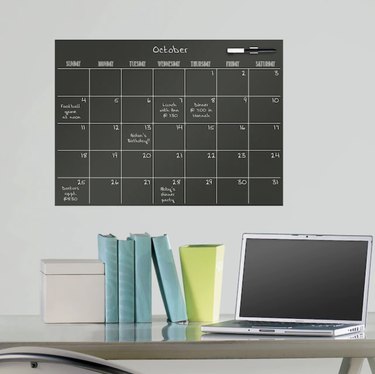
point(202, 274)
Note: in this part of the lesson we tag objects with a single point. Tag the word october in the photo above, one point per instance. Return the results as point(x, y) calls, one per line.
point(171, 49)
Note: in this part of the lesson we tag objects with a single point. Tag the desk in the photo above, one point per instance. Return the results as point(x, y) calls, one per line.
point(161, 340)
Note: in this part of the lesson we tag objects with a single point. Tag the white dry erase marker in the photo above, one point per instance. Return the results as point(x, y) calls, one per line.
point(250, 50)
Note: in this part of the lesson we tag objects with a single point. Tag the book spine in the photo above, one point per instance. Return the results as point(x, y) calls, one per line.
point(142, 251)
point(126, 280)
point(169, 284)
point(107, 246)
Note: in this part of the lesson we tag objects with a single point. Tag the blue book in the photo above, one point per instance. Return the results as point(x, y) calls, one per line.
point(142, 260)
point(169, 284)
point(107, 245)
point(126, 280)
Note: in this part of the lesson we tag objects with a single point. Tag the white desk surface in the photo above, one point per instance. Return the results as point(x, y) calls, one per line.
point(160, 340)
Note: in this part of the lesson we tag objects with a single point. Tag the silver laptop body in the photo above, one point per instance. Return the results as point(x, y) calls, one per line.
point(308, 285)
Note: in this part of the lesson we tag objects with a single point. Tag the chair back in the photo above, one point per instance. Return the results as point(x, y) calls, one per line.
point(34, 360)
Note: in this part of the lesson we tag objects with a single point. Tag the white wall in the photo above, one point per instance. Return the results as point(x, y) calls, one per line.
point(329, 129)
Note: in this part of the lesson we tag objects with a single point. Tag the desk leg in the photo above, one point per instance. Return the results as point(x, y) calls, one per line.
point(351, 365)
point(371, 362)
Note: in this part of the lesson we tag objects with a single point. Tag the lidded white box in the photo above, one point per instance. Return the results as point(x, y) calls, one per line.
point(72, 291)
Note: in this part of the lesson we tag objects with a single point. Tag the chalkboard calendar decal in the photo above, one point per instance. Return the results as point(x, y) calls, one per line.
point(168, 122)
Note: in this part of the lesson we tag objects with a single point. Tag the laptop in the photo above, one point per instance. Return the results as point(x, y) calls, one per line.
point(307, 285)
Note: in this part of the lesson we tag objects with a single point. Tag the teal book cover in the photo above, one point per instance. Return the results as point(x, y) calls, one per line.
point(169, 284)
point(142, 251)
point(126, 280)
point(107, 245)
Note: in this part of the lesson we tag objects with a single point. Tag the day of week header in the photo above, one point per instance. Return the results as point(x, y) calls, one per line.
point(265, 64)
point(73, 64)
point(105, 64)
point(169, 64)
point(137, 64)
point(200, 64)
point(232, 64)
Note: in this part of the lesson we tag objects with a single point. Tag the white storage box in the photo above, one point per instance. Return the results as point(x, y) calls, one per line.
point(72, 291)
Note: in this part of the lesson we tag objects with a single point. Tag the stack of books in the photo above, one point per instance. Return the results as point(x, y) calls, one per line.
point(128, 286)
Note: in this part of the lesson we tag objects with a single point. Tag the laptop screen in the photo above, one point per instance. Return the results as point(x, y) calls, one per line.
point(304, 279)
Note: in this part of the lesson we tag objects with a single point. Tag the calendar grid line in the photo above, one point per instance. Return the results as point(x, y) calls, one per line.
point(248, 135)
point(167, 123)
point(172, 150)
point(153, 137)
point(166, 96)
point(216, 130)
point(121, 138)
point(166, 68)
point(169, 178)
point(89, 118)
point(185, 140)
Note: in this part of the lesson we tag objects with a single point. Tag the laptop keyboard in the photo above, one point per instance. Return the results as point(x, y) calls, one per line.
point(294, 324)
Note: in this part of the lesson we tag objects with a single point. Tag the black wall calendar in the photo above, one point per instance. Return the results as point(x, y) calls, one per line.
point(168, 122)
